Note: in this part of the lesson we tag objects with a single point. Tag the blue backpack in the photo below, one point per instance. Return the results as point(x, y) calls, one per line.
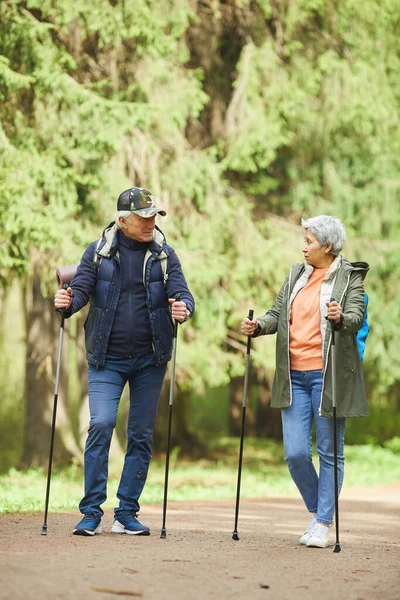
point(362, 333)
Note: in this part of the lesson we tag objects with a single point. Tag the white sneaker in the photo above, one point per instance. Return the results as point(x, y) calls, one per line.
point(306, 535)
point(319, 537)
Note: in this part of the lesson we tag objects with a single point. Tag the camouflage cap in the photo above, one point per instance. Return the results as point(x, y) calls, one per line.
point(139, 201)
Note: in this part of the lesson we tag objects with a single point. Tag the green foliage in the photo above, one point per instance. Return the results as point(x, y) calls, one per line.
point(313, 127)
point(290, 109)
point(66, 119)
point(393, 445)
point(264, 475)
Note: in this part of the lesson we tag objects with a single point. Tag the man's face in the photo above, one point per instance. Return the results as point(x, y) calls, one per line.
point(139, 228)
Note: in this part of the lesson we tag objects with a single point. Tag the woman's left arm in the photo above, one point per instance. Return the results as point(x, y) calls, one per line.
point(353, 305)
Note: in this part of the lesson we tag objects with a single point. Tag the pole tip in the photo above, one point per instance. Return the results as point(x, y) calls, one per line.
point(163, 534)
point(44, 530)
point(337, 547)
point(235, 535)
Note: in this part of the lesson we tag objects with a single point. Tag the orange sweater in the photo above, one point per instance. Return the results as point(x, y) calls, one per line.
point(305, 342)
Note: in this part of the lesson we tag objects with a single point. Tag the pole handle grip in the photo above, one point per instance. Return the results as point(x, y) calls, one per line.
point(250, 317)
point(65, 275)
point(333, 325)
point(176, 323)
point(332, 299)
point(64, 286)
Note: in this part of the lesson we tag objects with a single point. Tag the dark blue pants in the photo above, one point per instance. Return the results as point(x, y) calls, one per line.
point(105, 389)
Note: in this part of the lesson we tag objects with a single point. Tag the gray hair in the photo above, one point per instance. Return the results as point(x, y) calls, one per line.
point(125, 214)
point(327, 230)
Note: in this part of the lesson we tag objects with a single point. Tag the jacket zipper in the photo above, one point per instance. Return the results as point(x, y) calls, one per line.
point(288, 338)
point(106, 335)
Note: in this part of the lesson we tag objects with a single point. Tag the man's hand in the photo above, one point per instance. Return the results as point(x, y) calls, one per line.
point(334, 311)
point(63, 298)
point(248, 327)
point(179, 310)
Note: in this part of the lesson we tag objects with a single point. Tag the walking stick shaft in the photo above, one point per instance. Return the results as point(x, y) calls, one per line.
point(235, 535)
point(239, 472)
point(337, 543)
point(163, 534)
point(163, 529)
point(53, 424)
point(335, 450)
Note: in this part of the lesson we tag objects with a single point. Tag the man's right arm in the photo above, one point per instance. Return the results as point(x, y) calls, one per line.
point(83, 282)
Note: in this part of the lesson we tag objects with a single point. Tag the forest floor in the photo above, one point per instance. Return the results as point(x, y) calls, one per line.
point(199, 560)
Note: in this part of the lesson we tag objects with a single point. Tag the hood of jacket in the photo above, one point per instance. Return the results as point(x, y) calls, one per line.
point(108, 244)
point(360, 266)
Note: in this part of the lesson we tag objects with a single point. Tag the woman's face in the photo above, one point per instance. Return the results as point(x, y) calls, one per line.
point(316, 255)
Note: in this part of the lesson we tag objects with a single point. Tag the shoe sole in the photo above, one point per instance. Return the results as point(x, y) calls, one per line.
point(87, 532)
point(317, 545)
point(118, 530)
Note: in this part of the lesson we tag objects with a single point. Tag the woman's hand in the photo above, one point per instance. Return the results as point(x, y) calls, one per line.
point(248, 326)
point(63, 298)
point(334, 311)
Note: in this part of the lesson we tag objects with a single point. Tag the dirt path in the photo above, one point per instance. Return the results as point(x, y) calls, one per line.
point(199, 559)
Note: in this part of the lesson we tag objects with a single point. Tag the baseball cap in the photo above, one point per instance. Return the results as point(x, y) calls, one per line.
point(139, 201)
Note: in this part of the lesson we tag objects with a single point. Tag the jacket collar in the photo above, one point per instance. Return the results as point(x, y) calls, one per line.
point(109, 243)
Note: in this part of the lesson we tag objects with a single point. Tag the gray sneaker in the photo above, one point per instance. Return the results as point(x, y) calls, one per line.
point(306, 535)
point(319, 537)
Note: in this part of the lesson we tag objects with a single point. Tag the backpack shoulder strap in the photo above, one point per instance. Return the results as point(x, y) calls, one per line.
point(163, 263)
point(96, 258)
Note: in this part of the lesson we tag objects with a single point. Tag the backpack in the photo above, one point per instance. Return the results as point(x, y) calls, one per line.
point(362, 333)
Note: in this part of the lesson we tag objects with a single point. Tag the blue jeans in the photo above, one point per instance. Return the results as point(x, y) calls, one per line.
point(318, 492)
point(105, 388)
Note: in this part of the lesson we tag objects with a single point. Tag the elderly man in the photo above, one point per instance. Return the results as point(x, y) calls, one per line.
point(134, 283)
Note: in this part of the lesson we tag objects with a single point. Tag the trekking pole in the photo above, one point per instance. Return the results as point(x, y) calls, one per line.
point(335, 457)
point(53, 423)
point(163, 533)
point(235, 535)
point(64, 276)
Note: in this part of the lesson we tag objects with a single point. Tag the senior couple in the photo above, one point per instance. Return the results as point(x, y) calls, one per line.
point(135, 285)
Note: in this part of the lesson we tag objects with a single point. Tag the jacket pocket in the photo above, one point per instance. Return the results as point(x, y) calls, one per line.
point(90, 328)
point(166, 329)
point(349, 351)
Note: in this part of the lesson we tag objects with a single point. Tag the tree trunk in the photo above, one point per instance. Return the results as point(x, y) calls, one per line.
point(43, 335)
point(236, 390)
point(269, 424)
point(182, 436)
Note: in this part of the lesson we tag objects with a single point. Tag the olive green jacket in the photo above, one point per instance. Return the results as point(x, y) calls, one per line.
point(348, 290)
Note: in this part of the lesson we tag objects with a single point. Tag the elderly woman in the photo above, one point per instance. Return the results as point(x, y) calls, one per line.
point(325, 288)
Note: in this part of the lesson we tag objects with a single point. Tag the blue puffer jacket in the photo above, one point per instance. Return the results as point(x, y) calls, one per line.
point(99, 281)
